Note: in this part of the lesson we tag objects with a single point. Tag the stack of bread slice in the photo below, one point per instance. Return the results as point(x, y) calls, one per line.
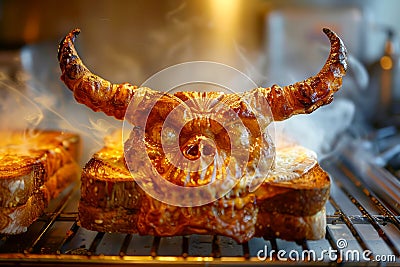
point(289, 204)
point(35, 167)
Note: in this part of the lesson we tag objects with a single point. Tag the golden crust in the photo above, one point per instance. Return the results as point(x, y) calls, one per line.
point(27, 162)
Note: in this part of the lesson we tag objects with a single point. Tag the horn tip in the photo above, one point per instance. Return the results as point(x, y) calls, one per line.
point(328, 31)
point(331, 34)
point(76, 31)
point(64, 42)
point(73, 34)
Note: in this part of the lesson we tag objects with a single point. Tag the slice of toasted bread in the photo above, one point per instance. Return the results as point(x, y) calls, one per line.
point(289, 204)
point(15, 220)
point(297, 185)
point(34, 167)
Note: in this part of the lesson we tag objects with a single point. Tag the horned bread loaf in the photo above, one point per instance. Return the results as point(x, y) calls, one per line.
point(34, 168)
point(290, 204)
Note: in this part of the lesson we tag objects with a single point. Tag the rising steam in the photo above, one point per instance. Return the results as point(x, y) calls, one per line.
point(32, 97)
point(320, 131)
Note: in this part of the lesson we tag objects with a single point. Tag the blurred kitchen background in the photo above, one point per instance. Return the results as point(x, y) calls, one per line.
point(154, 34)
point(270, 41)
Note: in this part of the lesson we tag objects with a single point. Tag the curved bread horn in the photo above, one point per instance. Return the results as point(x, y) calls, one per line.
point(88, 88)
point(113, 99)
point(308, 95)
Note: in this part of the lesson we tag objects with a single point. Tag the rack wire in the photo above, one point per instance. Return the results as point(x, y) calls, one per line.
point(359, 223)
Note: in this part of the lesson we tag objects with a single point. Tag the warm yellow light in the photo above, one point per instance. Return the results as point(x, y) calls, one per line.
point(225, 28)
point(225, 5)
point(386, 63)
point(225, 14)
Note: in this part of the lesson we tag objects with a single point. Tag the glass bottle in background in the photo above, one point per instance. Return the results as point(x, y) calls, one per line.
point(385, 83)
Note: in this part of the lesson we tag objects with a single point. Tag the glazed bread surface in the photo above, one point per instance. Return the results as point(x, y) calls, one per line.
point(289, 204)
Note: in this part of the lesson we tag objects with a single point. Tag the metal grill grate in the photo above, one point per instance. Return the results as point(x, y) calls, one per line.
point(357, 221)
